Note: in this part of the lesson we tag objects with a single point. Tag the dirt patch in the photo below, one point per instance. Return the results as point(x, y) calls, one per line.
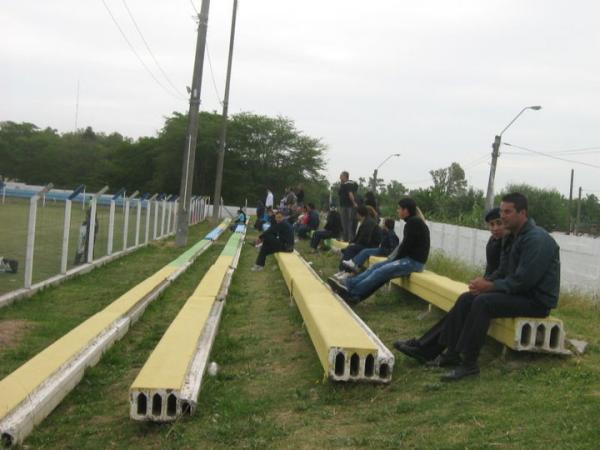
point(12, 331)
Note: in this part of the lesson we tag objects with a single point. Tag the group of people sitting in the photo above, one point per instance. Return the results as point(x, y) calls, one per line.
point(522, 275)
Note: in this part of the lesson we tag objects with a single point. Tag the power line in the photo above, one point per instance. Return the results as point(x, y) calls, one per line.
point(133, 49)
point(212, 75)
point(194, 6)
point(175, 89)
point(552, 156)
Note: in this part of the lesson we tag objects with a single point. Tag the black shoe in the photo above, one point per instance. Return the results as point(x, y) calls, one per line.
point(338, 286)
point(409, 350)
point(460, 372)
point(445, 360)
point(411, 342)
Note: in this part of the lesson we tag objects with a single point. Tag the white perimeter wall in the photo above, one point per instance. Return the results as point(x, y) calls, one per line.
point(579, 256)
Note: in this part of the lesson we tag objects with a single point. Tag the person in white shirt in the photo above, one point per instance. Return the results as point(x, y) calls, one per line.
point(269, 200)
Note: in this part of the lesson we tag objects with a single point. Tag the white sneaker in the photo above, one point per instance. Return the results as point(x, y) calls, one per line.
point(341, 275)
point(256, 268)
point(349, 264)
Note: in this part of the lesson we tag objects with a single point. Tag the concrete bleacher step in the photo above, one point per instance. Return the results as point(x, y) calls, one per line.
point(519, 333)
point(347, 348)
point(32, 391)
point(167, 387)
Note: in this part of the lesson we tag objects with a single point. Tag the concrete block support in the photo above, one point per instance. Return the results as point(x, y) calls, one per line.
point(545, 335)
point(168, 385)
point(31, 392)
point(347, 348)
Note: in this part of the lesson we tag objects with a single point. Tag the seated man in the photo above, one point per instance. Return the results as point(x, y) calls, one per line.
point(368, 235)
point(389, 241)
point(426, 348)
point(312, 221)
point(526, 284)
point(409, 256)
point(278, 238)
point(239, 220)
point(332, 230)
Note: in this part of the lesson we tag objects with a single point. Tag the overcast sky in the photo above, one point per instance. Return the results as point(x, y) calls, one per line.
point(432, 80)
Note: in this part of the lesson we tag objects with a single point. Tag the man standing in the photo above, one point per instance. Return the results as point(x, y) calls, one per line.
point(410, 256)
point(269, 200)
point(278, 238)
point(526, 284)
point(347, 205)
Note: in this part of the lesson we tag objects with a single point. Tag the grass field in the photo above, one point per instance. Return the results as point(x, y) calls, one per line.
point(14, 215)
point(270, 392)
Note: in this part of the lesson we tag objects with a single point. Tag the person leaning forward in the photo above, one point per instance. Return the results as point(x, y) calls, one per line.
point(278, 238)
point(527, 283)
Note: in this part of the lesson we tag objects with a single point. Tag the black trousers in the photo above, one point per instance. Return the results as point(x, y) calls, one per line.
point(271, 244)
point(464, 328)
point(318, 236)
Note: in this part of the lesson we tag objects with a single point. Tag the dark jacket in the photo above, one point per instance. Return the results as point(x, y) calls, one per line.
point(415, 241)
point(344, 193)
point(389, 241)
point(284, 232)
point(368, 234)
point(334, 224)
point(313, 219)
point(532, 267)
point(493, 251)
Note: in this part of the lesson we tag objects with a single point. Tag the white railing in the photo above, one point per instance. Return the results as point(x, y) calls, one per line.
point(165, 206)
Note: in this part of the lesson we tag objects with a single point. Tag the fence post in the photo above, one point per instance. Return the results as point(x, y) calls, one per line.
point(111, 227)
point(92, 224)
point(137, 222)
point(148, 211)
point(162, 217)
point(125, 223)
point(155, 220)
point(65, 244)
point(169, 218)
point(126, 218)
point(30, 240)
point(31, 235)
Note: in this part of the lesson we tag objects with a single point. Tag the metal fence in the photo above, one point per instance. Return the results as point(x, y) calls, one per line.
point(49, 235)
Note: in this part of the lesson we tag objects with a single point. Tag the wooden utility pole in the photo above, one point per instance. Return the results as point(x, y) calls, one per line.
point(571, 203)
point(189, 151)
point(223, 134)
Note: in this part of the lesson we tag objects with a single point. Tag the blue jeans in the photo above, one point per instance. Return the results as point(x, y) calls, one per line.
point(364, 284)
point(364, 255)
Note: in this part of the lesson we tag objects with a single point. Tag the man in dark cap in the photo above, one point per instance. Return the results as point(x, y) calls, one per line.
point(526, 283)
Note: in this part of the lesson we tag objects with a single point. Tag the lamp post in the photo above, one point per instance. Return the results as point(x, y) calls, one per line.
point(374, 181)
point(489, 199)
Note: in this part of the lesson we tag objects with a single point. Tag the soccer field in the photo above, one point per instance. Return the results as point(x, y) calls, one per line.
point(14, 215)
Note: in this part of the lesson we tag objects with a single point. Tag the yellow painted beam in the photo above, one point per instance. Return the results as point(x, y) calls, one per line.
point(333, 329)
point(518, 333)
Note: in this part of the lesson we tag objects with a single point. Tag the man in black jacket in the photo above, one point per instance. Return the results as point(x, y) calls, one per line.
point(332, 229)
point(427, 348)
point(278, 238)
point(526, 284)
point(410, 256)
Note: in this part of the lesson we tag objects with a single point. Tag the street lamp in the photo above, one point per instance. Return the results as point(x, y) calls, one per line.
point(374, 181)
point(489, 199)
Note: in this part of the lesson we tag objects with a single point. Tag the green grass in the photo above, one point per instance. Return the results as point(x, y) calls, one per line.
point(49, 233)
point(270, 392)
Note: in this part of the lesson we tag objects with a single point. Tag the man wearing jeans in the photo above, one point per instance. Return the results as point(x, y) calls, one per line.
point(409, 256)
point(526, 284)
